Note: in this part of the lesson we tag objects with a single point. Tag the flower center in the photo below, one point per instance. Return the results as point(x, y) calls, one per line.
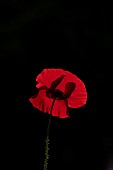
point(55, 94)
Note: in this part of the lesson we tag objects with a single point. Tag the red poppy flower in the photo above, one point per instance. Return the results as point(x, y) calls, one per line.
point(63, 86)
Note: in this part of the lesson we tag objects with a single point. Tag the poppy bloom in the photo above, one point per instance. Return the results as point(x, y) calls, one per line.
point(65, 88)
point(57, 90)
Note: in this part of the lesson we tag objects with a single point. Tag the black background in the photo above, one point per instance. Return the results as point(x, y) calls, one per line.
point(37, 35)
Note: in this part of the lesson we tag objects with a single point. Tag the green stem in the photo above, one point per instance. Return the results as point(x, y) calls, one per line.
point(47, 138)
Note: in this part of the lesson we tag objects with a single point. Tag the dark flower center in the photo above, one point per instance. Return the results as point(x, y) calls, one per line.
point(56, 94)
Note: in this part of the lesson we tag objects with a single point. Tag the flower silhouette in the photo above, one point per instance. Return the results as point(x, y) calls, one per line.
point(62, 86)
point(57, 90)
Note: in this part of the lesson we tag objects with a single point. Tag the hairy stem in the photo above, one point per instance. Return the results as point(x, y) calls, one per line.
point(47, 138)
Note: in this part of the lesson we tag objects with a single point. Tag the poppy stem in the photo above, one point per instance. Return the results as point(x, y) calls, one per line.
point(47, 138)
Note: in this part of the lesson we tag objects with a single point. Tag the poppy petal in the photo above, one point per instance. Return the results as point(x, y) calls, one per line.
point(41, 102)
point(78, 97)
point(69, 88)
point(47, 76)
point(60, 109)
